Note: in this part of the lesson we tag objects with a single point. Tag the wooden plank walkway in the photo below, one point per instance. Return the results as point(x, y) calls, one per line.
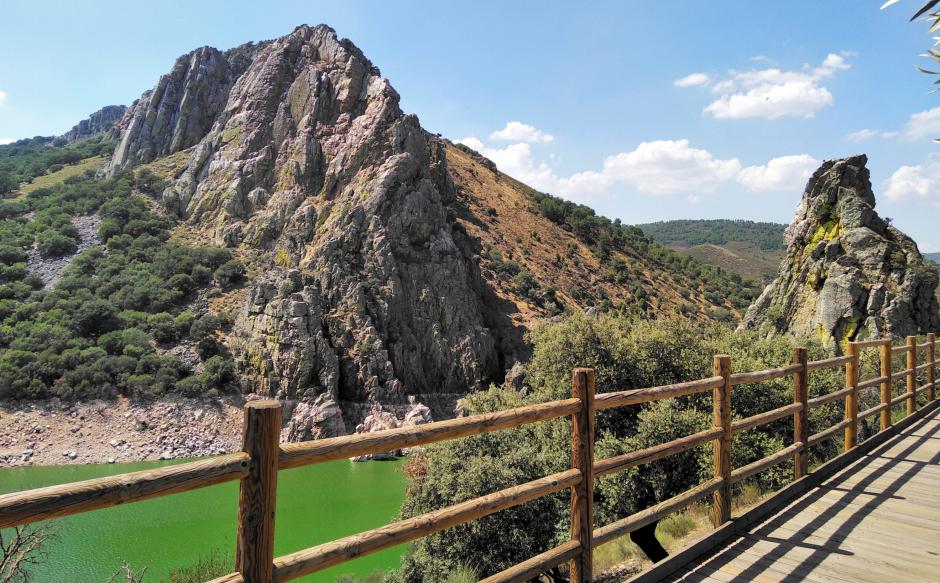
point(877, 520)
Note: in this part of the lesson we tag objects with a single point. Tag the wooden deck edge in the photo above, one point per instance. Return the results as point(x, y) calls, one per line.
point(768, 507)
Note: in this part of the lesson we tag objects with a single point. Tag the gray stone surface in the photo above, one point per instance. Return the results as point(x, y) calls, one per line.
point(848, 274)
point(300, 156)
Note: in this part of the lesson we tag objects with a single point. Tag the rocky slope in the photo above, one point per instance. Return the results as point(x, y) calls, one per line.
point(100, 122)
point(376, 252)
point(848, 273)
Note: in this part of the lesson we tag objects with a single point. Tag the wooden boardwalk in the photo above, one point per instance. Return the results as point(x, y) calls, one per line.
point(876, 520)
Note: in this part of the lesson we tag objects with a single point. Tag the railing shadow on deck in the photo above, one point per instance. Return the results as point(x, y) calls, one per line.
point(764, 562)
point(257, 466)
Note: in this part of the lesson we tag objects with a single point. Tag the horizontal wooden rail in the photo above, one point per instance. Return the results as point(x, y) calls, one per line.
point(656, 452)
point(871, 383)
point(827, 433)
point(902, 374)
point(294, 455)
point(899, 349)
point(873, 410)
point(537, 565)
point(764, 418)
point(870, 343)
point(341, 550)
point(827, 398)
point(640, 396)
point(829, 362)
point(901, 398)
point(653, 513)
point(230, 578)
point(766, 463)
point(744, 378)
point(922, 367)
point(54, 501)
point(926, 387)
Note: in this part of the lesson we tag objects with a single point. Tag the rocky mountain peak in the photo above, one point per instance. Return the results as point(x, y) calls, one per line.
point(848, 274)
point(100, 122)
point(296, 153)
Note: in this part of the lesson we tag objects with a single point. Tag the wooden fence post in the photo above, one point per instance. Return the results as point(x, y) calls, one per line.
point(801, 417)
point(851, 400)
point(931, 371)
point(582, 458)
point(257, 495)
point(721, 415)
point(912, 377)
point(885, 349)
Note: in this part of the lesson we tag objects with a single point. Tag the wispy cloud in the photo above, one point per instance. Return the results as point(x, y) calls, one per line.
point(3, 97)
point(516, 131)
point(693, 80)
point(773, 93)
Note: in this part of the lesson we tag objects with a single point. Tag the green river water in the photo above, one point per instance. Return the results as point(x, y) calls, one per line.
point(315, 504)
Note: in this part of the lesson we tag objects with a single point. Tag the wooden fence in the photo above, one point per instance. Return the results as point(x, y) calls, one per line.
point(262, 457)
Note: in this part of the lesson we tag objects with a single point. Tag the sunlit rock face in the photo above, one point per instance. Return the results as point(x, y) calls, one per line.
point(848, 273)
point(296, 153)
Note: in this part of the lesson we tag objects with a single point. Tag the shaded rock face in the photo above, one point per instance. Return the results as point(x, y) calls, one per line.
point(304, 161)
point(100, 122)
point(848, 274)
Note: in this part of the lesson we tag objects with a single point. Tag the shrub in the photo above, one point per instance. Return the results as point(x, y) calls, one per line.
point(54, 244)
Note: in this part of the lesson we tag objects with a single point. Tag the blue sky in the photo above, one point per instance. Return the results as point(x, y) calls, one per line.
point(642, 110)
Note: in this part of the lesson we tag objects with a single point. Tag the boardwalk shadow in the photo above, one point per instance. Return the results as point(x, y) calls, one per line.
point(831, 524)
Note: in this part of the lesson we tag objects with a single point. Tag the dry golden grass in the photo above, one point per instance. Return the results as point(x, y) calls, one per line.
point(498, 211)
point(47, 180)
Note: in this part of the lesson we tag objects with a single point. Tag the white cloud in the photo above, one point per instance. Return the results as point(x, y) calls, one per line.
point(862, 135)
point(668, 166)
point(783, 173)
point(658, 167)
point(693, 80)
point(922, 125)
point(918, 183)
point(773, 93)
point(3, 97)
point(521, 132)
point(5, 141)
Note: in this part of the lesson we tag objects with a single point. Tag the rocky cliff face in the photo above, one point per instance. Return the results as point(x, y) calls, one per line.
point(848, 273)
point(303, 160)
point(363, 243)
point(100, 122)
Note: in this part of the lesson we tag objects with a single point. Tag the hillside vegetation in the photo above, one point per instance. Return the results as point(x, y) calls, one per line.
point(106, 327)
point(753, 250)
point(766, 236)
point(548, 255)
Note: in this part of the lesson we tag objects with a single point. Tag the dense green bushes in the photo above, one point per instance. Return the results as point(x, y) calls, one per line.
point(626, 353)
point(767, 236)
point(100, 331)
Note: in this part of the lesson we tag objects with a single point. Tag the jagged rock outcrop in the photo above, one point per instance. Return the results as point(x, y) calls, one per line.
point(179, 111)
point(848, 273)
point(300, 156)
point(100, 122)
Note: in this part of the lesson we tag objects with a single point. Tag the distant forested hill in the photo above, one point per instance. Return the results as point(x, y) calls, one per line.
point(935, 257)
point(766, 236)
point(750, 249)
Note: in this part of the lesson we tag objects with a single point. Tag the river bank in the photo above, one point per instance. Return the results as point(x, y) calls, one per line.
point(99, 432)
